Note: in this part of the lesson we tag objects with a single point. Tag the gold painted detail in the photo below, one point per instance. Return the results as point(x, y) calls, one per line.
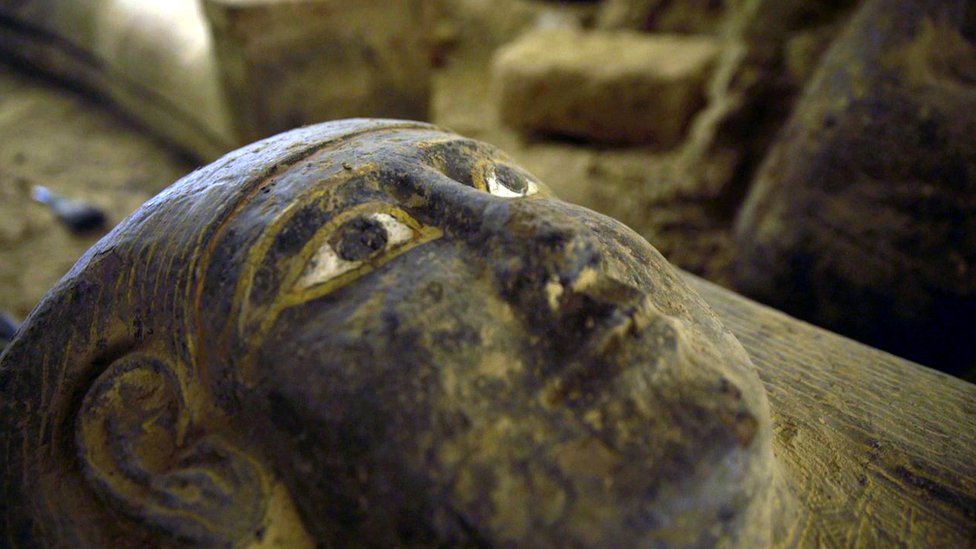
point(322, 271)
point(305, 281)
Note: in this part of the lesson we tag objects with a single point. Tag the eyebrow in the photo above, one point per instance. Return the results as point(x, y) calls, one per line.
point(470, 171)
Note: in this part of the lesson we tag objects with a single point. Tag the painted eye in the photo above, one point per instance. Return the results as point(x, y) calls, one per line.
point(365, 236)
point(364, 239)
point(504, 182)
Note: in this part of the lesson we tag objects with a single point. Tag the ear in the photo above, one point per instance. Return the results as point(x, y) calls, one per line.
point(144, 458)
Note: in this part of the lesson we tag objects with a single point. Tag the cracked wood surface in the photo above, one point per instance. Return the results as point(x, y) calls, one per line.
point(877, 451)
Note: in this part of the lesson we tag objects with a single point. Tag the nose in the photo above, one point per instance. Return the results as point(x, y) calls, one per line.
point(554, 269)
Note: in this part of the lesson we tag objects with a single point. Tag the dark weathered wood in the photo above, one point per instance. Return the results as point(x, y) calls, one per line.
point(401, 332)
point(878, 451)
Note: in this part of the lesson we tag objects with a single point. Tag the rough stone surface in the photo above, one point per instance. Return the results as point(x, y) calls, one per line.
point(286, 64)
point(863, 216)
point(603, 86)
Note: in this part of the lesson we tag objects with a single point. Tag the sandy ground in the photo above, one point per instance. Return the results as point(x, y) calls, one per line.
point(64, 140)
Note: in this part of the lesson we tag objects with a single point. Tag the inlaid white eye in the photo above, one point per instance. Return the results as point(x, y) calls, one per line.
point(506, 183)
point(358, 241)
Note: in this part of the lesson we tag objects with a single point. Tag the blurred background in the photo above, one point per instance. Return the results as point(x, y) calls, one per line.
point(816, 155)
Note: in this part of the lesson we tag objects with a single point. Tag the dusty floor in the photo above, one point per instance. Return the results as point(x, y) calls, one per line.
point(61, 139)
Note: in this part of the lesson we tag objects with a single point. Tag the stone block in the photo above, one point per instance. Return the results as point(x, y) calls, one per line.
point(285, 64)
point(612, 86)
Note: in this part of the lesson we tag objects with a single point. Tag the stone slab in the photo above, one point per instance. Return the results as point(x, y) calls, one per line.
point(607, 86)
point(286, 64)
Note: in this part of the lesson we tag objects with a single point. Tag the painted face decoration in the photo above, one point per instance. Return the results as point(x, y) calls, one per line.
point(410, 338)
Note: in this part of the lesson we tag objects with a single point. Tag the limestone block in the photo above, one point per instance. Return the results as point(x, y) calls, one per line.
point(618, 86)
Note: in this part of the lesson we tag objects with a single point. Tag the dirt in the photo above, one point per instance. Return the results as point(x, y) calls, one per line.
point(66, 141)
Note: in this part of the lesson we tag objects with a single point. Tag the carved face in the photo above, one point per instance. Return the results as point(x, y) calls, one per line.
point(424, 346)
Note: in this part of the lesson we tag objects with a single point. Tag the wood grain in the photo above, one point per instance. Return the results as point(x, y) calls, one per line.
point(874, 450)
